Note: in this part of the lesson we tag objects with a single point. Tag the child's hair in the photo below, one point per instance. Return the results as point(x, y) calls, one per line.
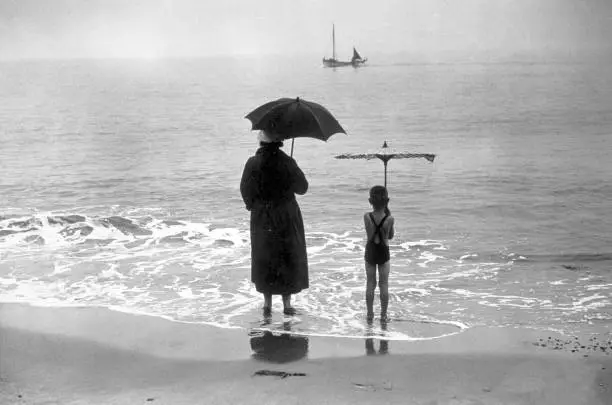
point(379, 197)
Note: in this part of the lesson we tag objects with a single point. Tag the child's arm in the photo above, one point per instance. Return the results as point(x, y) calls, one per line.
point(391, 228)
point(367, 225)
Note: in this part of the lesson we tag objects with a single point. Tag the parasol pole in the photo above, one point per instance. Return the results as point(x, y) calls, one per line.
point(292, 142)
point(385, 162)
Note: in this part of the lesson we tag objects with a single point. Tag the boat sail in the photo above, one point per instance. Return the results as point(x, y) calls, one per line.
point(355, 61)
point(356, 56)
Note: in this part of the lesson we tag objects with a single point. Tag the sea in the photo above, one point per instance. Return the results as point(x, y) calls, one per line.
point(119, 188)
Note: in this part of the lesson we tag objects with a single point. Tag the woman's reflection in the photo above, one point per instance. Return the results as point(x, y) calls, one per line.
point(280, 348)
point(383, 347)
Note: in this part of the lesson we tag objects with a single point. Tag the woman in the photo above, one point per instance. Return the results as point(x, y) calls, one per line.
point(270, 180)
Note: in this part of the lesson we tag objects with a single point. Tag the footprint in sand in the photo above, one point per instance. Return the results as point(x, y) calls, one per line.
point(387, 386)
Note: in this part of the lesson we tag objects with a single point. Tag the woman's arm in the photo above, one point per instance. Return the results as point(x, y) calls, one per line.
point(248, 185)
point(298, 180)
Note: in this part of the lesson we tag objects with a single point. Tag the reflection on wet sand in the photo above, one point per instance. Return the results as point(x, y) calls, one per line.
point(383, 347)
point(279, 348)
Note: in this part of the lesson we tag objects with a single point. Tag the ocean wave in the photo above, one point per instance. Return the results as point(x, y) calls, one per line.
point(144, 261)
point(569, 258)
point(77, 229)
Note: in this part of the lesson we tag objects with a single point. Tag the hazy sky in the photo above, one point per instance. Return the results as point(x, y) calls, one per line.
point(158, 28)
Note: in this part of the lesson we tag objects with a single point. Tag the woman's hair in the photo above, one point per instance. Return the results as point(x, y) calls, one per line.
point(379, 197)
point(268, 137)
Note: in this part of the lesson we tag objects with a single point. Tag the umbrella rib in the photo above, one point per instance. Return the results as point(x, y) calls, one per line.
point(430, 157)
point(265, 109)
point(314, 115)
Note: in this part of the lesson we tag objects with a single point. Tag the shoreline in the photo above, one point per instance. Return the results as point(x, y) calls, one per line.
point(94, 355)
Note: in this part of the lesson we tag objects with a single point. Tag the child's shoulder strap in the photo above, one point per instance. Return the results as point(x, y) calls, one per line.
point(378, 226)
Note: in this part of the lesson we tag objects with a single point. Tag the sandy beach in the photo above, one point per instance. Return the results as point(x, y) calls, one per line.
point(97, 356)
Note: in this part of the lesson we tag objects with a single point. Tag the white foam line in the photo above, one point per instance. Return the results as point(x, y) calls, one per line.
point(397, 336)
point(383, 337)
point(43, 304)
point(168, 318)
point(598, 287)
point(584, 300)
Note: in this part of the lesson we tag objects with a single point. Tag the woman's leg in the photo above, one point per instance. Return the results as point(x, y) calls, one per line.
point(383, 285)
point(287, 308)
point(267, 303)
point(370, 287)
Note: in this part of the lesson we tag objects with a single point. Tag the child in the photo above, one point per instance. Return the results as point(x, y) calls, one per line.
point(379, 229)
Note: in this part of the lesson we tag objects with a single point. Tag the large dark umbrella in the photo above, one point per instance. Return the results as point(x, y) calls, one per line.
point(385, 155)
point(292, 118)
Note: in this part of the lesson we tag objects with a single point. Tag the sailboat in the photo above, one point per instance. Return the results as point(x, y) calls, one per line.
point(355, 61)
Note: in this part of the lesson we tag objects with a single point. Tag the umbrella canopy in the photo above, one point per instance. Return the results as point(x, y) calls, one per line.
point(385, 155)
point(292, 118)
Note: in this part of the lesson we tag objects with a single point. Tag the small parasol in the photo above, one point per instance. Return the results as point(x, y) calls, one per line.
point(385, 155)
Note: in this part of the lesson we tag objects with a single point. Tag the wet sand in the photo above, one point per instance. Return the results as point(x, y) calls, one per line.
point(97, 356)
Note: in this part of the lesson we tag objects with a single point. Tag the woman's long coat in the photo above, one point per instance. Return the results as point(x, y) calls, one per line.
point(269, 183)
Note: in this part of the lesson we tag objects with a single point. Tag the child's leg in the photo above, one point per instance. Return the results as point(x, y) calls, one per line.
point(369, 344)
point(370, 287)
point(383, 347)
point(383, 285)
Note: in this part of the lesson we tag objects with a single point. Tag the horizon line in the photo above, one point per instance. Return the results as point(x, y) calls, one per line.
point(422, 53)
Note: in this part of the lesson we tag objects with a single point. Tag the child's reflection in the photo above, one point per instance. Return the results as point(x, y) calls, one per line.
point(383, 347)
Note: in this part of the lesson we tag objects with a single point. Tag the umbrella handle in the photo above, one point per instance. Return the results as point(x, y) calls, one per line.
point(292, 142)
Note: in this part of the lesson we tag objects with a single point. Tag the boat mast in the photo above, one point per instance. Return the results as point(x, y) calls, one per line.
point(333, 41)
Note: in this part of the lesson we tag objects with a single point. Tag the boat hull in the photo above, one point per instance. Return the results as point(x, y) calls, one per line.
point(338, 63)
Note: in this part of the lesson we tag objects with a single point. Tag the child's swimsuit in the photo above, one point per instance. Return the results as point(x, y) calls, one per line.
point(377, 253)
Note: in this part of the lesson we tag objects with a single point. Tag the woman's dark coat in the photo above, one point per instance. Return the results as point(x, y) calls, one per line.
point(269, 183)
